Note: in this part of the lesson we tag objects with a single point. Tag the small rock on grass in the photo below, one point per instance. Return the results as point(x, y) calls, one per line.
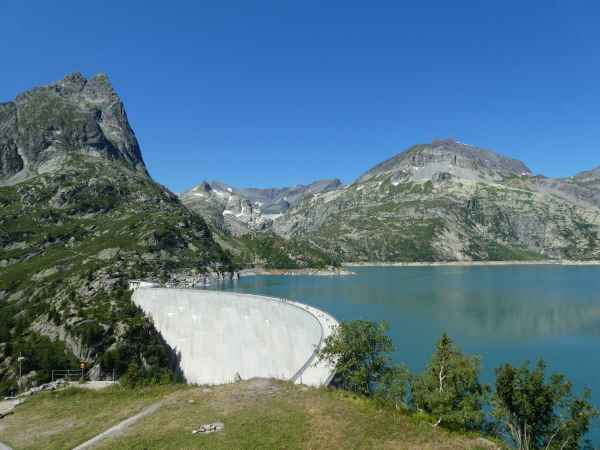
point(210, 428)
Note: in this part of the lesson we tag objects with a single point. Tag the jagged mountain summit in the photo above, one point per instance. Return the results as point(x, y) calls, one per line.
point(243, 210)
point(43, 126)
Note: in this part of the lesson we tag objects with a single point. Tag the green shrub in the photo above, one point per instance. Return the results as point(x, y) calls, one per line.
point(360, 351)
point(133, 377)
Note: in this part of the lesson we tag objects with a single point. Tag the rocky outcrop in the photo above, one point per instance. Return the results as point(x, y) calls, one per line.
point(573, 190)
point(72, 116)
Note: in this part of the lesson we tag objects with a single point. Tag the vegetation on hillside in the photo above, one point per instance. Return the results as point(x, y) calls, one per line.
point(391, 219)
point(274, 252)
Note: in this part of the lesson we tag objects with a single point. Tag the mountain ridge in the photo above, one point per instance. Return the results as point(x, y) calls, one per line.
point(433, 202)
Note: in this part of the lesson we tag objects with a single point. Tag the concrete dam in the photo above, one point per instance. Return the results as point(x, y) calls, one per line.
point(220, 335)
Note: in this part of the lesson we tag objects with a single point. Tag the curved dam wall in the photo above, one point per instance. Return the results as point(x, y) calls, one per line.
point(221, 334)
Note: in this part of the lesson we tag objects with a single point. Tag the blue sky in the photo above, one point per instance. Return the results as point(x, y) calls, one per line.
point(280, 93)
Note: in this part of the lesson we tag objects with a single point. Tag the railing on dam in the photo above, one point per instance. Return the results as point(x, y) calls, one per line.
point(328, 324)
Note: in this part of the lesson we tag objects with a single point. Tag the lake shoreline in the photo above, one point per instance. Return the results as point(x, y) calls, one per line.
point(549, 262)
point(341, 272)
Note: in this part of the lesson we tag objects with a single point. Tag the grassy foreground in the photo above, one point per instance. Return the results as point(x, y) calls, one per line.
point(257, 414)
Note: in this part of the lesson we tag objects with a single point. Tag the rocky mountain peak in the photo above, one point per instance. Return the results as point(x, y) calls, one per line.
point(448, 158)
point(44, 125)
point(73, 82)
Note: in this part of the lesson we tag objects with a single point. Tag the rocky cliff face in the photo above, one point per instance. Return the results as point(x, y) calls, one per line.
point(43, 126)
point(450, 201)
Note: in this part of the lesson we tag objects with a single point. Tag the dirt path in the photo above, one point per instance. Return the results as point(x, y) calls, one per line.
point(118, 428)
point(7, 406)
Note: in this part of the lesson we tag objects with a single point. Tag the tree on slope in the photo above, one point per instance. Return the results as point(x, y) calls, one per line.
point(360, 351)
point(540, 413)
point(449, 389)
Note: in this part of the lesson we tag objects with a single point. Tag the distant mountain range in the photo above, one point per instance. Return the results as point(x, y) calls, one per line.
point(440, 201)
point(240, 211)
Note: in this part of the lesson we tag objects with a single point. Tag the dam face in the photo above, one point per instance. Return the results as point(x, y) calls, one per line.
point(221, 334)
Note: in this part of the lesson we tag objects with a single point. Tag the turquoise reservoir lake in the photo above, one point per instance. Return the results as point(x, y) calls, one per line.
point(501, 313)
